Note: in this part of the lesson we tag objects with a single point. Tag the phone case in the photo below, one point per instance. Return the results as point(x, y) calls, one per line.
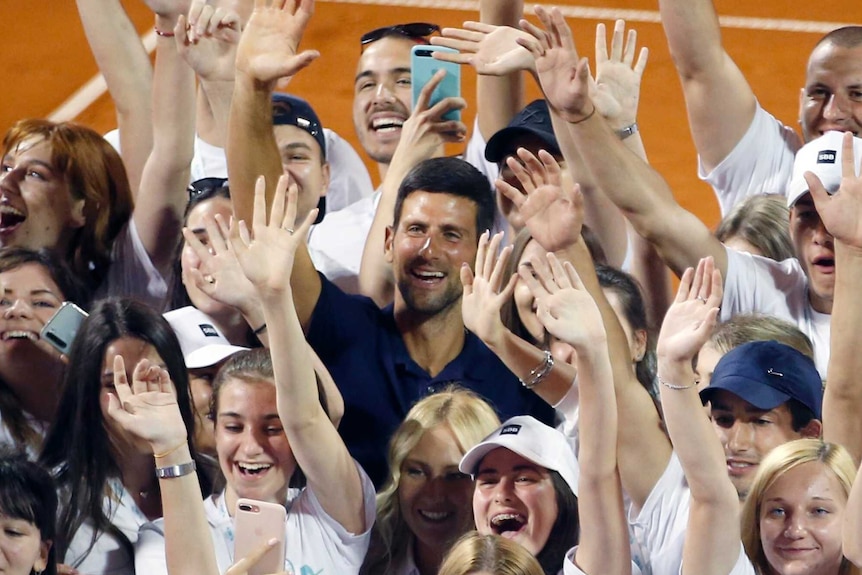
point(423, 66)
point(256, 523)
point(61, 329)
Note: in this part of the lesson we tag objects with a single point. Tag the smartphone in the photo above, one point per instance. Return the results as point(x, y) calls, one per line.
point(61, 329)
point(256, 523)
point(423, 66)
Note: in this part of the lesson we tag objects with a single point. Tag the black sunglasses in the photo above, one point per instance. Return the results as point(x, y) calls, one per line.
point(414, 30)
point(205, 187)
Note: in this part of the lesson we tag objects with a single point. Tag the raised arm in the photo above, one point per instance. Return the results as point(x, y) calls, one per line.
point(712, 540)
point(719, 100)
point(266, 257)
point(638, 190)
point(422, 137)
point(125, 65)
point(161, 200)
point(148, 409)
point(266, 53)
point(552, 218)
point(569, 313)
point(840, 213)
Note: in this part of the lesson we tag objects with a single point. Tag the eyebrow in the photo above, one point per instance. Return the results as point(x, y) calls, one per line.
point(46, 165)
point(294, 146)
point(267, 417)
point(40, 291)
point(371, 74)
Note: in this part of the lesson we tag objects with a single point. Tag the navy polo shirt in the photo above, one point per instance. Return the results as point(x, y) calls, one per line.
point(362, 348)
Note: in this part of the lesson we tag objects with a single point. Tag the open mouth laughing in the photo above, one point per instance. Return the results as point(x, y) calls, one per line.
point(507, 524)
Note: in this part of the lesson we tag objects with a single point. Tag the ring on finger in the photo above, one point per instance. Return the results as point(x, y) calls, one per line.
point(701, 298)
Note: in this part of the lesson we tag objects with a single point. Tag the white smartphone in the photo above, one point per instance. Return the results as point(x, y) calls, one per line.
point(256, 523)
point(423, 66)
point(61, 329)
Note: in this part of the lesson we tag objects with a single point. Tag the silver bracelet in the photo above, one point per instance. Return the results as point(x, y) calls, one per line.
point(173, 471)
point(676, 387)
point(627, 131)
point(541, 371)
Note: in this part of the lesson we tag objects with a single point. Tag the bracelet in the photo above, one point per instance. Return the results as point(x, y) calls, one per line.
point(169, 451)
point(676, 387)
point(174, 471)
point(585, 118)
point(627, 131)
point(261, 329)
point(163, 34)
point(540, 372)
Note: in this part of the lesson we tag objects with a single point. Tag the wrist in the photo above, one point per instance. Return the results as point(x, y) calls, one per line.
point(165, 24)
point(171, 452)
point(627, 131)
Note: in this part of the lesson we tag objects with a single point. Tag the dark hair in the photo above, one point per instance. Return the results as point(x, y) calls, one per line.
point(12, 258)
point(631, 297)
point(844, 37)
point(74, 290)
point(78, 447)
point(199, 191)
point(566, 529)
point(255, 366)
point(450, 176)
point(27, 492)
point(762, 222)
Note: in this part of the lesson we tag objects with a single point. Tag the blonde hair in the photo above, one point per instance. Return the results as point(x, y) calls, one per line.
point(470, 419)
point(779, 461)
point(744, 328)
point(474, 553)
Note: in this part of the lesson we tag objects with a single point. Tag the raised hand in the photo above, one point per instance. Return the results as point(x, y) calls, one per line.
point(616, 89)
point(207, 40)
point(268, 48)
point(565, 79)
point(147, 409)
point(219, 275)
point(491, 50)
point(266, 254)
point(841, 211)
point(565, 307)
point(551, 205)
point(484, 292)
point(690, 319)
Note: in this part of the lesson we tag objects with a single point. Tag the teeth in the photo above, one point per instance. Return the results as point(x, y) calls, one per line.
point(10, 216)
point(19, 334)
point(738, 464)
point(253, 467)
point(434, 516)
point(430, 274)
point(387, 124)
point(502, 518)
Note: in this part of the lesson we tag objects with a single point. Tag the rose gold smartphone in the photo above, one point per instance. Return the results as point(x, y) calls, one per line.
point(256, 523)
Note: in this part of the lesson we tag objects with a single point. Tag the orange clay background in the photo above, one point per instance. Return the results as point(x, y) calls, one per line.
point(46, 58)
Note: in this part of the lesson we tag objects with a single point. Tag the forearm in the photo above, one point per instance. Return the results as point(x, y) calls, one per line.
point(654, 277)
point(188, 544)
point(852, 528)
point(693, 35)
point(125, 65)
point(499, 98)
point(218, 96)
point(843, 395)
point(522, 357)
point(375, 274)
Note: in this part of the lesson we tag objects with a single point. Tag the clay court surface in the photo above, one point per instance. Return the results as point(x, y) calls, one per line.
point(47, 61)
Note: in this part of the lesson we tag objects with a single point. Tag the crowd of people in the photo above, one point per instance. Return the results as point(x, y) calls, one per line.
point(479, 367)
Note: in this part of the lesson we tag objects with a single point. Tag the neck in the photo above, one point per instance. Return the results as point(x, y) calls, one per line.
point(431, 340)
point(820, 303)
point(427, 557)
point(35, 378)
point(136, 470)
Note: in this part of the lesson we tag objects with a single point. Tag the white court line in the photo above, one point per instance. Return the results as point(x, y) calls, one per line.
point(95, 87)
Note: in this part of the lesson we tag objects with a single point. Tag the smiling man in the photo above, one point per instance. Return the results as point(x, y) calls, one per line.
point(743, 150)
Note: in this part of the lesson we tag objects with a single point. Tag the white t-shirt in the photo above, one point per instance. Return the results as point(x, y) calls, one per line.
point(755, 284)
point(760, 163)
point(132, 273)
point(314, 542)
point(108, 556)
point(570, 568)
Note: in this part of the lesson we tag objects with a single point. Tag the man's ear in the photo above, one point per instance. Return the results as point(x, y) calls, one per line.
point(813, 429)
point(77, 217)
point(387, 244)
point(326, 175)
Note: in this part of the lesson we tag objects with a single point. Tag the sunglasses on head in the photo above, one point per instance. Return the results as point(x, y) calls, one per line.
point(414, 30)
point(205, 187)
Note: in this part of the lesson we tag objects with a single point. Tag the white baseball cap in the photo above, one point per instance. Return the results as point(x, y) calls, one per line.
point(532, 440)
point(202, 343)
point(822, 156)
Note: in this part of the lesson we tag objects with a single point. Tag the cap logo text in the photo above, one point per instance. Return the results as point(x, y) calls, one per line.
point(208, 330)
point(510, 430)
point(826, 156)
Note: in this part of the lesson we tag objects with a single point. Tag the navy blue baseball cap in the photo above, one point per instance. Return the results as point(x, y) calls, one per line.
point(292, 111)
point(767, 374)
point(534, 120)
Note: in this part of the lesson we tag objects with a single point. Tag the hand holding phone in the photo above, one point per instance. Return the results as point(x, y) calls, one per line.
point(61, 329)
point(423, 66)
point(258, 522)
